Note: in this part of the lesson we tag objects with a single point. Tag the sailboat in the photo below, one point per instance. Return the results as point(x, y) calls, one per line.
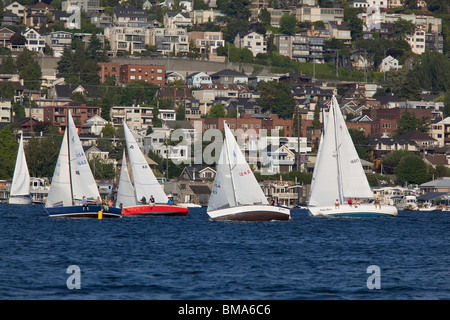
point(73, 180)
point(144, 185)
point(236, 194)
point(20, 186)
point(339, 176)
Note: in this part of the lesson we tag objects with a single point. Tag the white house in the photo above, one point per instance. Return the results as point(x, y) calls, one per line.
point(196, 79)
point(253, 41)
point(16, 8)
point(94, 124)
point(34, 41)
point(173, 20)
point(389, 63)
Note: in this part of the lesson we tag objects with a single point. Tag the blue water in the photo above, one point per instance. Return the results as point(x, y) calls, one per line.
point(195, 258)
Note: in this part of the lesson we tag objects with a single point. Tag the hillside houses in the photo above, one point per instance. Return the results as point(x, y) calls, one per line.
point(127, 32)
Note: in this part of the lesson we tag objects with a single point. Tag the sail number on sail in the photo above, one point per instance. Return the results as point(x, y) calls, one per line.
point(245, 172)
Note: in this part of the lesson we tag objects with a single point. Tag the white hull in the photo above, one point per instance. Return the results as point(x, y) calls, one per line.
point(251, 213)
point(434, 208)
point(20, 200)
point(365, 210)
point(189, 205)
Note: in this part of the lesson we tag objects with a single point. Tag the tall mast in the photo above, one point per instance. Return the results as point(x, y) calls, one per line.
point(229, 165)
point(338, 156)
point(68, 156)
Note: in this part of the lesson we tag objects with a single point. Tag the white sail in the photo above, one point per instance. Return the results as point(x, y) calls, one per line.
point(72, 178)
point(354, 180)
point(60, 193)
point(235, 183)
point(21, 180)
point(338, 173)
point(83, 182)
point(125, 193)
point(222, 194)
point(145, 183)
point(325, 186)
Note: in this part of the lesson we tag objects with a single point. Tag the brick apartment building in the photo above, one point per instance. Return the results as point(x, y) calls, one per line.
point(126, 73)
point(384, 120)
point(57, 115)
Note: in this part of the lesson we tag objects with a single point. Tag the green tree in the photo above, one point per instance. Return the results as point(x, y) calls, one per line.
point(447, 104)
point(288, 23)
point(246, 55)
point(8, 154)
point(23, 59)
point(412, 169)
point(236, 9)
point(7, 90)
point(354, 23)
point(361, 142)
point(65, 62)
point(108, 130)
point(403, 84)
point(234, 26)
point(316, 121)
point(432, 69)
point(264, 17)
point(8, 65)
point(402, 28)
point(95, 51)
point(409, 122)
point(102, 169)
point(42, 154)
point(139, 92)
point(391, 160)
point(180, 112)
point(31, 75)
point(276, 97)
point(217, 111)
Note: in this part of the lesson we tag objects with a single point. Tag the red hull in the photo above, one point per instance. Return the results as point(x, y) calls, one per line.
point(156, 210)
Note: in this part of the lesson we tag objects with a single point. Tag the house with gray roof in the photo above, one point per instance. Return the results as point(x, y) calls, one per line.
point(229, 76)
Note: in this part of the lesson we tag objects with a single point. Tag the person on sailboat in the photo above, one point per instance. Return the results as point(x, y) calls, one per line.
point(105, 206)
point(84, 202)
point(152, 201)
point(110, 202)
point(272, 202)
point(349, 202)
point(143, 200)
point(377, 203)
point(170, 201)
point(336, 204)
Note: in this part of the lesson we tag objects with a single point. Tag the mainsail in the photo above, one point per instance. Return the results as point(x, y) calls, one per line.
point(234, 184)
point(338, 172)
point(20, 185)
point(125, 193)
point(72, 178)
point(145, 183)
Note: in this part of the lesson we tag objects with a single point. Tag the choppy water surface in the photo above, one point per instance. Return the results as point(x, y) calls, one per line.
point(195, 258)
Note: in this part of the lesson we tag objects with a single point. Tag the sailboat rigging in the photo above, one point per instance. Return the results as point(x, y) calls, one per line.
point(236, 194)
point(339, 175)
